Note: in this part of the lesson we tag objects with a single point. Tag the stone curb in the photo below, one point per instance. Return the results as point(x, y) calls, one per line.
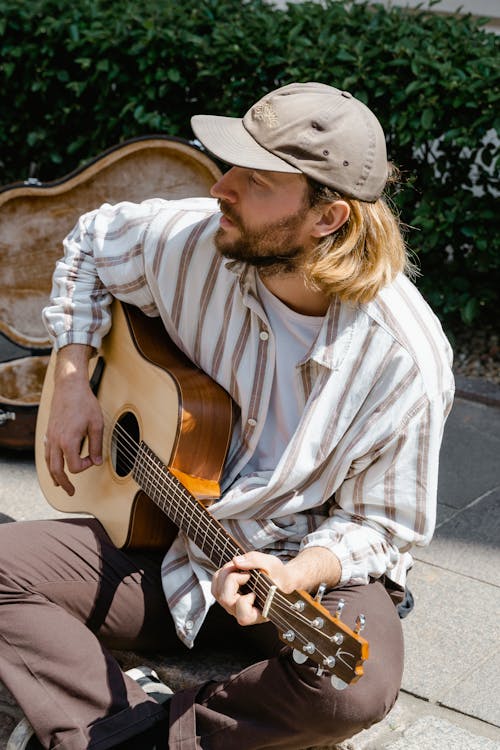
point(477, 389)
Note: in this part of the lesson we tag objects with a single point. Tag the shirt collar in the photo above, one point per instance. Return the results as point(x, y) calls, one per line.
point(336, 334)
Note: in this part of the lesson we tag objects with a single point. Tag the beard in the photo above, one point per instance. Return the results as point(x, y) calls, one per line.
point(272, 248)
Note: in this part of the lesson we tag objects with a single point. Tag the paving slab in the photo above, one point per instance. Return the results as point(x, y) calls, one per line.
point(431, 733)
point(479, 691)
point(444, 512)
point(452, 633)
point(468, 542)
point(478, 390)
point(410, 715)
point(20, 495)
point(470, 454)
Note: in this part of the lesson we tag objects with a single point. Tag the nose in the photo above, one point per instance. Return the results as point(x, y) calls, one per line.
point(225, 188)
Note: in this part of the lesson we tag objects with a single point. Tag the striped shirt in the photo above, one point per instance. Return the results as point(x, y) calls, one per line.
point(359, 474)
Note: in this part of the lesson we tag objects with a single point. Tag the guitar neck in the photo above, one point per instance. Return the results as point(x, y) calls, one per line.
point(301, 623)
point(170, 495)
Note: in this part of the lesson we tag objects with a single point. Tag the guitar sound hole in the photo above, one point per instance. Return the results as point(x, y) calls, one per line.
point(125, 444)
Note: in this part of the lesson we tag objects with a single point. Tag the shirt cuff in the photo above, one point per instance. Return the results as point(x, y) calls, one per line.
point(354, 569)
point(77, 337)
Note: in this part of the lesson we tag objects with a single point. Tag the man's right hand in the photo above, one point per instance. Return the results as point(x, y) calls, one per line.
point(75, 414)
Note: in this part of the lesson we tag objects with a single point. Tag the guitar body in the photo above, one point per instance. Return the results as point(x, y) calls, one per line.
point(150, 390)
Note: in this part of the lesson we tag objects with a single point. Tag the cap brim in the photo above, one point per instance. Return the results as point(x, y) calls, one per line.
point(228, 140)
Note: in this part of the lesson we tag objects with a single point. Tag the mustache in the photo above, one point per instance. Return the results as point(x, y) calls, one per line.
point(229, 211)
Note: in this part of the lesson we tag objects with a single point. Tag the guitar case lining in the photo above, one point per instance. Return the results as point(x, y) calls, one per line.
point(34, 219)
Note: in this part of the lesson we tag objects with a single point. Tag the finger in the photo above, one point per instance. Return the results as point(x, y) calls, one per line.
point(219, 577)
point(217, 580)
point(246, 612)
point(252, 560)
point(230, 590)
point(226, 588)
point(71, 449)
point(95, 443)
point(55, 463)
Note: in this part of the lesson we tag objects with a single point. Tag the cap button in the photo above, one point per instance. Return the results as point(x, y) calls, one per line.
point(347, 94)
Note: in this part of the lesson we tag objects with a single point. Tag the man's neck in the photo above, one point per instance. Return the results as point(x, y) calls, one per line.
point(294, 292)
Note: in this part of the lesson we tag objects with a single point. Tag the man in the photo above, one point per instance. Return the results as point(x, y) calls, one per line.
point(342, 378)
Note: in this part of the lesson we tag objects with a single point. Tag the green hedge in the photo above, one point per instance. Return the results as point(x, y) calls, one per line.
point(77, 77)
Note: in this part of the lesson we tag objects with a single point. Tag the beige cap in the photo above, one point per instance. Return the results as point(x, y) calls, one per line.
point(305, 127)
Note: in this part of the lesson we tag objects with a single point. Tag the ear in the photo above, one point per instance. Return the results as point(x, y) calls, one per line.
point(332, 217)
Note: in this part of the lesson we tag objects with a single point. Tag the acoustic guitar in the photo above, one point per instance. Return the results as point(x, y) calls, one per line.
point(167, 432)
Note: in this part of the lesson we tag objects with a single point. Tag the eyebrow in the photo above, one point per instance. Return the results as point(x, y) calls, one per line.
point(271, 176)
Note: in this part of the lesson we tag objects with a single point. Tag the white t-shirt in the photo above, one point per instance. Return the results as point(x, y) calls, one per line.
point(294, 335)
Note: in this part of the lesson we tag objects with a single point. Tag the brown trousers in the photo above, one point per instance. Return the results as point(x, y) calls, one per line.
point(67, 596)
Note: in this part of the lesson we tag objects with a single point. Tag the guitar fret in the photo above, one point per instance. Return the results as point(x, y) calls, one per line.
point(163, 487)
point(192, 518)
point(259, 586)
point(182, 508)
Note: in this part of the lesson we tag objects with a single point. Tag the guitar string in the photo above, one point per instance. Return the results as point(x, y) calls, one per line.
point(202, 519)
point(132, 445)
point(177, 493)
point(276, 604)
point(130, 449)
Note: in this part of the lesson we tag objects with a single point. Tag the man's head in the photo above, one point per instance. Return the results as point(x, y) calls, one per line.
point(269, 220)
point(304, 193)
point(309, 128)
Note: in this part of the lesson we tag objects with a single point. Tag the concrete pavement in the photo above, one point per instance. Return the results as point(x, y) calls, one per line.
point(451, 688)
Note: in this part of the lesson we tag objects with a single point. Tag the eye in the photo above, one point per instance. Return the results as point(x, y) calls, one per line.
point(257, 180)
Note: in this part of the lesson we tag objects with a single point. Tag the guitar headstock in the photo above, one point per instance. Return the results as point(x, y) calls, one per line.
point(305, 625)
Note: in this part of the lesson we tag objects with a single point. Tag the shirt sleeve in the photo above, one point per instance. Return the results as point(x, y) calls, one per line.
point(102, 258)
point(387, 503)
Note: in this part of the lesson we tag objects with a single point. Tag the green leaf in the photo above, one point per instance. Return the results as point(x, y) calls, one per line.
point(427, 118)
point(74, 32)
point(345, 56)
point(173, 75)
point(469, 311)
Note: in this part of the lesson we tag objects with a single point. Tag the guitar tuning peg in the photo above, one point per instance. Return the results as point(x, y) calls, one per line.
point(319, 593)
point(298, 656)
point(337, 683)
point(340, 607)
point(360, 623)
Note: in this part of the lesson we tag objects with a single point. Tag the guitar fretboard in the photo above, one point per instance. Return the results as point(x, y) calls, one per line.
point(297, 621)
point(191, 516)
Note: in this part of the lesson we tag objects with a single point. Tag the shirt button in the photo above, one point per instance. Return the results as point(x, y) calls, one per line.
point(189, 624)
point(263, 335)
point(252, 422)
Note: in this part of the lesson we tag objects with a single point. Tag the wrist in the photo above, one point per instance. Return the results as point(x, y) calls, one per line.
point(72, 364)
point(312, 566)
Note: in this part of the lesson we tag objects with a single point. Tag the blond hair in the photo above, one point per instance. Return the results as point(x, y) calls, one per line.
point(364, 255)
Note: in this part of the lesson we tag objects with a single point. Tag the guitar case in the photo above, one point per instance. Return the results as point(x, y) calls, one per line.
point(34, 219)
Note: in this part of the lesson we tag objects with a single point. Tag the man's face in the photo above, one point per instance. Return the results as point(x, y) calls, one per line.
point(265, 219)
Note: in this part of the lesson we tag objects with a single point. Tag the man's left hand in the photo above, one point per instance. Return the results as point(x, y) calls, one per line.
point(229, 579)
point(311, 567)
